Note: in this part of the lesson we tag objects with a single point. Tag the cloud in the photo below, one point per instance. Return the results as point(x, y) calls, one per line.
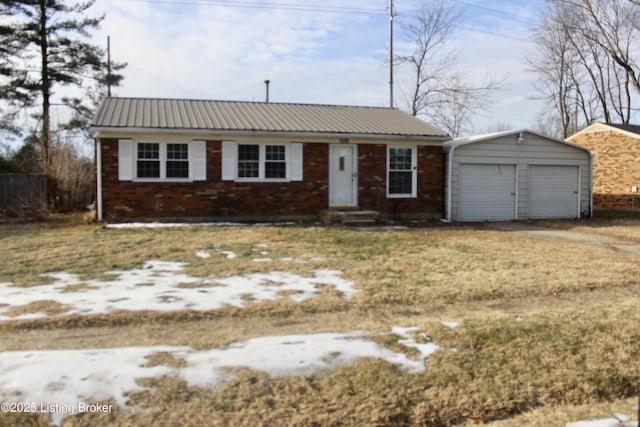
point(217, 52)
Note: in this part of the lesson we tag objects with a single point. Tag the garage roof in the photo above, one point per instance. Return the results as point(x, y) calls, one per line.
point(516, 134)
point(185, 114)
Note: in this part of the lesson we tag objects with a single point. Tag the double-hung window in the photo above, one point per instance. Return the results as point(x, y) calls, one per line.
point(248, 161)
point(262, 161)
point(275, 163)
point(148, 160)
point(166, 161)
point(177, 161)
point(401, 172)
point(160, 161)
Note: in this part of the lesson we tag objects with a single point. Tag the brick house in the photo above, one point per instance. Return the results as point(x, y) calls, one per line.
point(160, 159)
point(616, 162)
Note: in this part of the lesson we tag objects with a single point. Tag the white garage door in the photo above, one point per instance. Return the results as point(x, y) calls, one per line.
point(553, 191)
point(486, 192)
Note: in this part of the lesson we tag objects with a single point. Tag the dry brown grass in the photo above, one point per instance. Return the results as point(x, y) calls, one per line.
point(50, 308)
point(547, 326)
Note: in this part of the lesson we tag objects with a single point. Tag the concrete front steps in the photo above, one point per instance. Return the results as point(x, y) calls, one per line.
point(349, 217)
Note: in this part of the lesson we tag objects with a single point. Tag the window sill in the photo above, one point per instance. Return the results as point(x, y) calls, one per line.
point(162, 180)
point(258, 180)
point(401, 196)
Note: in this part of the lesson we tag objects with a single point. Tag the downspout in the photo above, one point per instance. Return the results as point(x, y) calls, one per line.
point(591, 186)
point(449, 181)
point(98, 180)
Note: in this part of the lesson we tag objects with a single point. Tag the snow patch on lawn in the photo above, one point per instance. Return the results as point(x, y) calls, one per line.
point(228, 254)
point(71, 377)
point(163, 286)
point(451, 325)
point(618, 420)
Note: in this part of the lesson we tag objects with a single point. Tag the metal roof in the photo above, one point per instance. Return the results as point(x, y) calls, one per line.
point(453, 144)
point(204, 115)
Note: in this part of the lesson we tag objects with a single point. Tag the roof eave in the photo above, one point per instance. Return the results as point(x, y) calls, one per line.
point(100, 131)
point(611, 128)
point(470, 140)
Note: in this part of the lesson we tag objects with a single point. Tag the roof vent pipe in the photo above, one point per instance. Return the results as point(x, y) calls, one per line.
point(266, 83)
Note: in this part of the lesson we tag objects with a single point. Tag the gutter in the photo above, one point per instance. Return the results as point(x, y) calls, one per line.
point(591, 186)
point(98, 131)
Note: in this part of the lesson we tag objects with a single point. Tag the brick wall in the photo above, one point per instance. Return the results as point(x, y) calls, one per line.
point(616, 166)
point(214, 198)
point(372, 182)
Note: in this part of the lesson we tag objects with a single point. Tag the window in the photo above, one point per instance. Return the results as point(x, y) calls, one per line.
point(177, 161)
point(169, 161)
point(401, 178)
point(262, 161)
point(275, 165)
point(248, 161)
point(157, 160)
point(148, 164)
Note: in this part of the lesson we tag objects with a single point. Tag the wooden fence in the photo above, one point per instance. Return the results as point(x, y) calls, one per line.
point(22, 195)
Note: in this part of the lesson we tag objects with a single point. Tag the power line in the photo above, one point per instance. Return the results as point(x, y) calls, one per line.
point(495, 11)
point(275, 6)
point(328, 9)
point(492, 33)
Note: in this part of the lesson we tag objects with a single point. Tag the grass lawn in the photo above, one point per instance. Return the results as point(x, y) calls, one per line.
point(548, 329)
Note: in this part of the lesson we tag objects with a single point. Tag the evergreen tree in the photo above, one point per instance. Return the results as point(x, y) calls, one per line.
point(43, 44)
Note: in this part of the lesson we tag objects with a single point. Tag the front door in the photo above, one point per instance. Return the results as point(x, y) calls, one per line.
point(343, 175)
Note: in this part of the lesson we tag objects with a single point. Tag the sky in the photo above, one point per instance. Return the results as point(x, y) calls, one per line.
point(329, 52)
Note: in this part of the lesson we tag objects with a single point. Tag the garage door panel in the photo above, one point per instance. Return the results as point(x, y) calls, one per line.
point(486, 192)
point(553, 191)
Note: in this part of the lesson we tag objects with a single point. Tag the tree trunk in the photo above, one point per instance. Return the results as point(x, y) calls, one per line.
point(45, 137)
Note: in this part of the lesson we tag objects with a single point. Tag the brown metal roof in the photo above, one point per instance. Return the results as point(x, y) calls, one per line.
point(183, 114)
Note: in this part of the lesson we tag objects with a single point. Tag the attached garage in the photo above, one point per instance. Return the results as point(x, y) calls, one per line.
point(516, 175)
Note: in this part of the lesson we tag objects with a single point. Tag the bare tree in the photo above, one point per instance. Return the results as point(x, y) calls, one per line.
point(579, 76)
point(614, 26)
point(438, 91)
point(429, 33)
point(553, 62)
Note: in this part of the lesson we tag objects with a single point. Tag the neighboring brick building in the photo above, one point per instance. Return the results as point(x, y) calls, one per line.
point(616, 162)
point(165, 159)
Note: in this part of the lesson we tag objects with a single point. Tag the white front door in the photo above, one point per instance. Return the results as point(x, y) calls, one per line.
point(343, 176)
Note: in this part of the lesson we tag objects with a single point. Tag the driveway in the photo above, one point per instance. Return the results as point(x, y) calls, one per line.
point(587, 239)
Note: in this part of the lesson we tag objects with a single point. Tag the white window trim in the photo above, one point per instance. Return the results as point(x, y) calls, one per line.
point(294, 161)
point(262, 159)
point(163, 160)
point(414, 170)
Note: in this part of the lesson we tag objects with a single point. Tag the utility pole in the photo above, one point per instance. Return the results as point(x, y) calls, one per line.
point(109, 66)
point(391, 15)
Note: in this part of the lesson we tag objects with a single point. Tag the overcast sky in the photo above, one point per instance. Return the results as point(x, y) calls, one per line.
point(329, 52)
